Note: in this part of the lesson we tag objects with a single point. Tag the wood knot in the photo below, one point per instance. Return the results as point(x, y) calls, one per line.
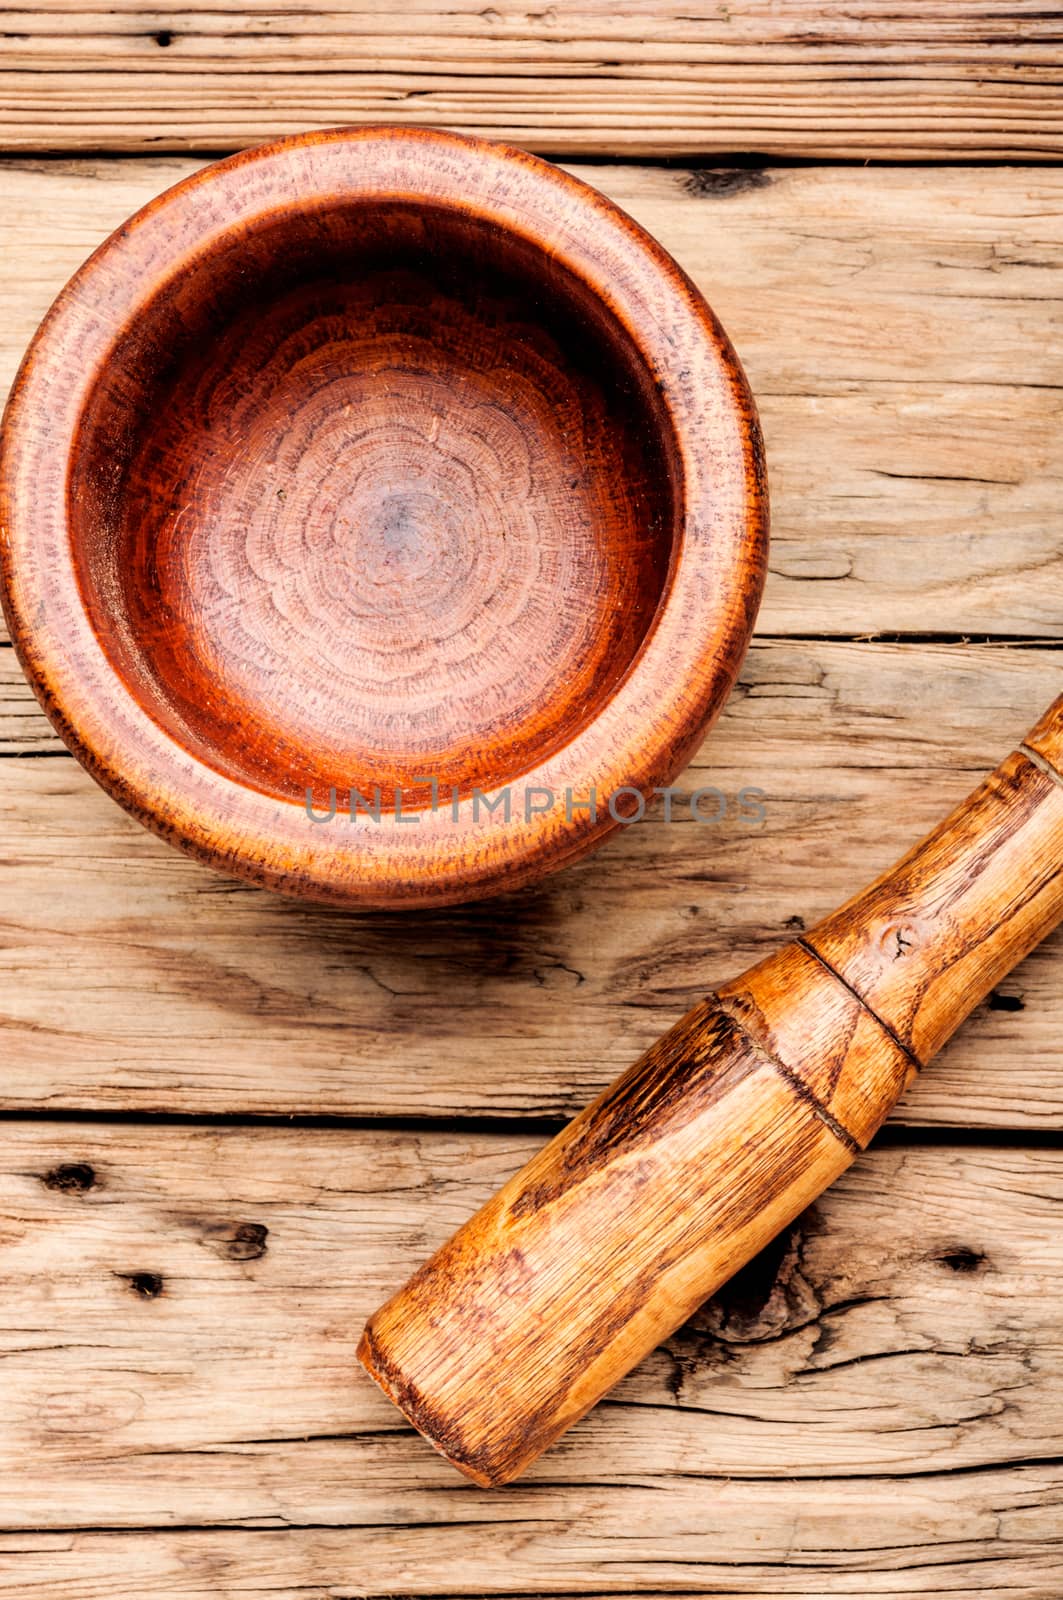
point(720, 183)
point(238, 1241)
point(1006, 1002)
point(148, 1285)
point(899, 939)
point(961, 1258)
point(71, 1177)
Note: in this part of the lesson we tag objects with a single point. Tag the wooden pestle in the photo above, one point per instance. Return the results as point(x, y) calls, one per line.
point(718, 1136)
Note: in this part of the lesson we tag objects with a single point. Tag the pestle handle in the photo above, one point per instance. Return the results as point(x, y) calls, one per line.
point(722, 1133)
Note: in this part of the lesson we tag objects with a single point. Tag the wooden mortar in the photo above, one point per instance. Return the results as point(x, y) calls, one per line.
point(367, 488)
point(718, 1136)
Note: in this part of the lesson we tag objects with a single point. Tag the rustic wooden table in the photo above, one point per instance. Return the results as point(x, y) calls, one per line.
point(232, 1123)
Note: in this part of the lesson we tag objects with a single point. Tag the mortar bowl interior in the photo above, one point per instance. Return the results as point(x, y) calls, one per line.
point(375, 494)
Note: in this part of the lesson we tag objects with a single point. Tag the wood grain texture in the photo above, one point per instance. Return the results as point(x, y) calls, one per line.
point(914, 467)
point(258, 1004)
point(389, 465)
point(650, 78)
point(876, 1409)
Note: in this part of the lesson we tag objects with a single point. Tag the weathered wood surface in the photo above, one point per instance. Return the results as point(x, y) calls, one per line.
point(327, 1564)
point(874, 1408)
point(134, 978)
point(900, 328)
point(651, 78)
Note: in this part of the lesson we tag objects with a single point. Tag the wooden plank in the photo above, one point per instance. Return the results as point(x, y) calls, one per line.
point(876, 1407)
point(329, 1564)
point(133, 978)
point(900, 329)
point(897, 80)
